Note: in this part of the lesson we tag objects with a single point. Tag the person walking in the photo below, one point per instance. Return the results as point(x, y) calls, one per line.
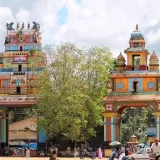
point(75, 151)
point(27, 152)
point(53, 155)
point(100, 153)
point(114, 152)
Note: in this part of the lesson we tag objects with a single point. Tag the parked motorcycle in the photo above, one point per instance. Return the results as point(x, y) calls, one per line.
point(91, 155)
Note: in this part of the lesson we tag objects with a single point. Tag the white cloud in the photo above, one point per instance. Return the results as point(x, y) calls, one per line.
point(6, 15)
point(45, 12)
point(94, 22)
point(23, 15)
point(153, 37)
point(153, 22)
point(109, 22)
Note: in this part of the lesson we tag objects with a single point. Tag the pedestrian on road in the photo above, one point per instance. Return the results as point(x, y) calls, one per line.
point(114, 152)
point(100, 153)
point(53, 155)
point(75, 151)
point(27, 152)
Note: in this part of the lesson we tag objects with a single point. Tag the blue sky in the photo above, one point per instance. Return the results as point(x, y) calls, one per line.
point(62, 15)
point(87, 22)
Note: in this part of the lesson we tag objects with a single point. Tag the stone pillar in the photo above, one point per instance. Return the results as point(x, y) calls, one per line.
point(111, 127)
point(7, 128)
point(3, 127)
point(118, 128)
point(107, 129)
point(157, 116)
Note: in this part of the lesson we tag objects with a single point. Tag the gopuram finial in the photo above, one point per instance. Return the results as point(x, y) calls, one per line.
point(23, 25)
point(17, 25)
point(28, 25)
point(137, 27)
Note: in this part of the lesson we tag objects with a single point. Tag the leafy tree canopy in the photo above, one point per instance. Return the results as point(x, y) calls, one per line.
point(71, 89)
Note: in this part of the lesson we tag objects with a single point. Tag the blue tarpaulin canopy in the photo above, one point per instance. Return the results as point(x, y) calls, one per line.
point(31, 145)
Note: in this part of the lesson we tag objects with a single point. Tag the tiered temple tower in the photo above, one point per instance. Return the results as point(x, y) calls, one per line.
point(135, 84)
point(18, 66)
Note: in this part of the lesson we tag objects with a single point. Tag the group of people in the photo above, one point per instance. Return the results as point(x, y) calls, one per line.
point(120, 151)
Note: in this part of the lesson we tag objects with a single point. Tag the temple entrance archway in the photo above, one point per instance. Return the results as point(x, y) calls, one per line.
point(113, 116)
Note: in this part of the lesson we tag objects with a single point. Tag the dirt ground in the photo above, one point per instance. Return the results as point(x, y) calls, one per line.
point(42, 158)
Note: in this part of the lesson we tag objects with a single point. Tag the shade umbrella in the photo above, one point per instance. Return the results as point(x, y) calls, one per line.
point(114, 143)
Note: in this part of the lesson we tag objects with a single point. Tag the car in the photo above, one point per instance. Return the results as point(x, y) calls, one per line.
point(142, 154)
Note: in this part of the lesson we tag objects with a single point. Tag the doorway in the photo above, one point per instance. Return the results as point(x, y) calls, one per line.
point(21, 48)
point(18, 90)
point(19, 68)
point(135, 86)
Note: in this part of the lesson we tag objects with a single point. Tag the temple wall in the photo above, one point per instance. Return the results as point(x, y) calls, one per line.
point(125, 85)
point(146, 86)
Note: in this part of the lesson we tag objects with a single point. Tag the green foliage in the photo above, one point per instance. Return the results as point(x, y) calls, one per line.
point(71, 89)
point(135, 121)
point(137, 60)
point(18, 114)
point(32, 51)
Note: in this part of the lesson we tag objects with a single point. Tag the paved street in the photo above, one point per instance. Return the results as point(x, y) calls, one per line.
point(42, 158)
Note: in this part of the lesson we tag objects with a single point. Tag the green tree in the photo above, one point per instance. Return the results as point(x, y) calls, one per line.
point(71, 89)
point(135, 121)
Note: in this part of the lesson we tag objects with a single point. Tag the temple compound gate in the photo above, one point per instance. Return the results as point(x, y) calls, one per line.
point(17, 79)
point(134, 84)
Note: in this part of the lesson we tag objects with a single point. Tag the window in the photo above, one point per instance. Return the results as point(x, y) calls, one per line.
point(18, 90)
point(135, 86)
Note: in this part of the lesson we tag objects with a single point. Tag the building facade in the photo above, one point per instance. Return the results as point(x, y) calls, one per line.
point(135, 82)
point(19, 63)
point(23, 131)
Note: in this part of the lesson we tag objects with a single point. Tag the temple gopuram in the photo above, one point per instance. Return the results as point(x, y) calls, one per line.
point(18, 66)
point(135, 82)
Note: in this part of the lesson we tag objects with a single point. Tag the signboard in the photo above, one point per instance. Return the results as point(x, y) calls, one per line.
point(15, 131)
point(42, 137)
point(151, 132)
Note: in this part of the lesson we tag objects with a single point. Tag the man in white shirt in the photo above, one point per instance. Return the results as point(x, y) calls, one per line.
point(155, 148)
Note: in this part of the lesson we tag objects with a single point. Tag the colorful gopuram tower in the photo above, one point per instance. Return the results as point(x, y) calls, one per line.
point(18, 66)
point(132, 84)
